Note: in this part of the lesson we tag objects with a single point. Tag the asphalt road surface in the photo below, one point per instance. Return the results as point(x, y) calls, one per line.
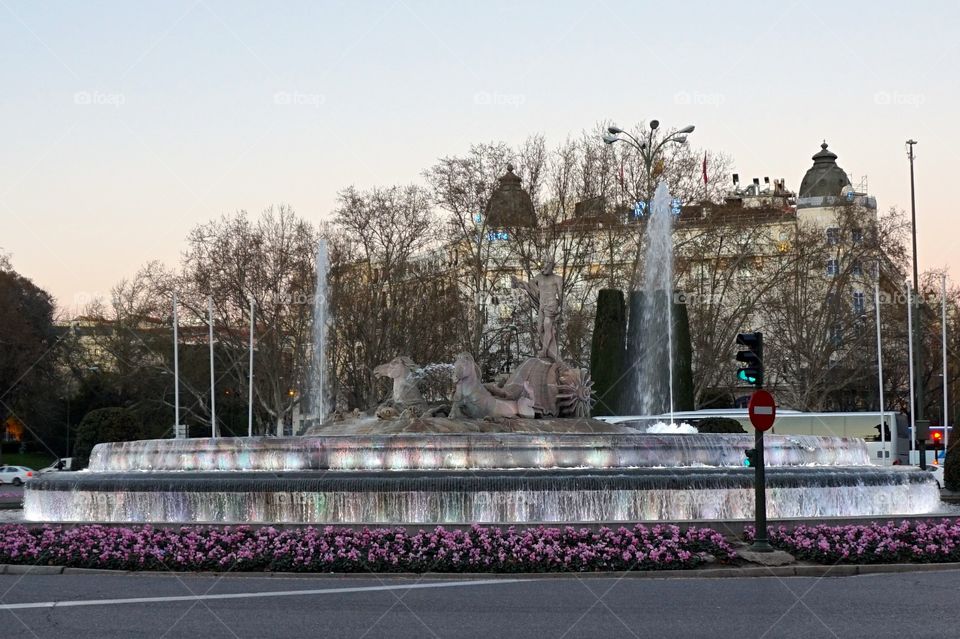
point(127, 606)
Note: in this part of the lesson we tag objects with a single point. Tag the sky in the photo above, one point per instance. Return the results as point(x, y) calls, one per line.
point(125, 124)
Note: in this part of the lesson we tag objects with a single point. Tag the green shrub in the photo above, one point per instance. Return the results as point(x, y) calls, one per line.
point(720, 425)
point(104, 425)
point(951, 465)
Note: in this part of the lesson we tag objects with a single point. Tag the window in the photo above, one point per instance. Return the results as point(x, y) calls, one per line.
point(833, 236)
point(836, 335)
point(856, 236)
point(859, 303)
point(833, 267)
point(856, 268)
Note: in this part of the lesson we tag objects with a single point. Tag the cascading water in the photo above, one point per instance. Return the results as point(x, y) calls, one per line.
point(654, 389)
point(477, 477)
point(321, 322)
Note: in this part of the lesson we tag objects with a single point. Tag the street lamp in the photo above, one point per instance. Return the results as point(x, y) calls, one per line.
point(921, 425)
point(650, 147)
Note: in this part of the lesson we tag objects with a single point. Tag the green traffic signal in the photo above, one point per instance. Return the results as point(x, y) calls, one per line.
point(751, 458)
point(752, 358)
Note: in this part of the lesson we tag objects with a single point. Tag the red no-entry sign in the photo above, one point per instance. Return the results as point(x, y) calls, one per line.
point(762, 410)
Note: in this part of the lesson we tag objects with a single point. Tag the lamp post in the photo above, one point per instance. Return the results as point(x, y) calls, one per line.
point(922, 426)
point(649, 148)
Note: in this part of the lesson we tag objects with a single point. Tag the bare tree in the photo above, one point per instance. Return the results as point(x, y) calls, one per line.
point(726, 262)
point(461, 187)
point(822, 338)
point(270, 261)
point(392, 288)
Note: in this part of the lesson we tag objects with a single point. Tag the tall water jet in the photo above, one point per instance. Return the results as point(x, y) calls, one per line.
point(654, 390)
point(318, 392)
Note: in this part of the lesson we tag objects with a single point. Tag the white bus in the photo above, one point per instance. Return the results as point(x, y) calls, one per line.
point(893, 448)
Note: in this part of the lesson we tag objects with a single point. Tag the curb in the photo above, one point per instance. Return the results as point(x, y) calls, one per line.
point(840, 570)
point(18, 569)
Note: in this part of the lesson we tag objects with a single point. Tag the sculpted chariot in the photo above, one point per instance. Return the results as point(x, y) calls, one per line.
point(542, 386)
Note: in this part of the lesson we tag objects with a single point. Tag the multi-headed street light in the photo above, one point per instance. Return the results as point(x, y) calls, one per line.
point(650, 147)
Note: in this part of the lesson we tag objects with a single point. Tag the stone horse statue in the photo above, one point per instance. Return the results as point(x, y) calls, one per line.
point(472, 399)
point(406, 393)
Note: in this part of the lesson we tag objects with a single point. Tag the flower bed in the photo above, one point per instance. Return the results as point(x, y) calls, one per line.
point(479, 549)
point(873, 543)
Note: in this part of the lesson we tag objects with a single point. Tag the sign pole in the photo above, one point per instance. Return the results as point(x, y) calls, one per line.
point(760, 541)
point(762, 410)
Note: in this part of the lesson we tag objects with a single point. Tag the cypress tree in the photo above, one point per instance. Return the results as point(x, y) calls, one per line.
point(683, 359)
point(607, 351)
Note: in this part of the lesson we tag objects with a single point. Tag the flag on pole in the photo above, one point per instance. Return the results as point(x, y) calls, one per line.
point(704, 167)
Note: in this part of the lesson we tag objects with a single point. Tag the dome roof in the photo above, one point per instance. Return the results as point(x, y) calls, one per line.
point(510, 205)
point(824, 178)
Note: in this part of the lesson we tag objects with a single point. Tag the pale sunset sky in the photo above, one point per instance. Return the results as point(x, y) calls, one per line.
point(127, 123)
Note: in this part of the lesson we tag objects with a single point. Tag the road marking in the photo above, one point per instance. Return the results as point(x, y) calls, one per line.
point(250, 595)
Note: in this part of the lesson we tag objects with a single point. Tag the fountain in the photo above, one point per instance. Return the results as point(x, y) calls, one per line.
point(654, 393)
point(318, 383)
point(525, 451)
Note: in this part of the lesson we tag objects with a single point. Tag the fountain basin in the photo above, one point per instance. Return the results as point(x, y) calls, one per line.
point(463, 478)
point(459, 451)
point(462, 497)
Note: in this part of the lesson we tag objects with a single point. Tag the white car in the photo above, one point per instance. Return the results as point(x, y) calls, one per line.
point(15, 475)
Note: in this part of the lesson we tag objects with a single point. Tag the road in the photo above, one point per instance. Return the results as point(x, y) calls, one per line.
point(150, 605)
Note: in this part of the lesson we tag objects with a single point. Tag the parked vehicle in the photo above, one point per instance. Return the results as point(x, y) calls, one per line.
point(15, 475)
point(64, 463)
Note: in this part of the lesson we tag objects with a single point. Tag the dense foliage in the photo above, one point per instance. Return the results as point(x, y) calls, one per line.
point(607, 351)
point(719, 425)
point(28, 371)
point(105, 425)
point(951, 465)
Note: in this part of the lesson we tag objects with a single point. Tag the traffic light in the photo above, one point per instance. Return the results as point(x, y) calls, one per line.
point(751, 459)
point(752, 357)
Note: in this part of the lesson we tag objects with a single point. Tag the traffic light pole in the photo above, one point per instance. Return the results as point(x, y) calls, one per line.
point(760, 541)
